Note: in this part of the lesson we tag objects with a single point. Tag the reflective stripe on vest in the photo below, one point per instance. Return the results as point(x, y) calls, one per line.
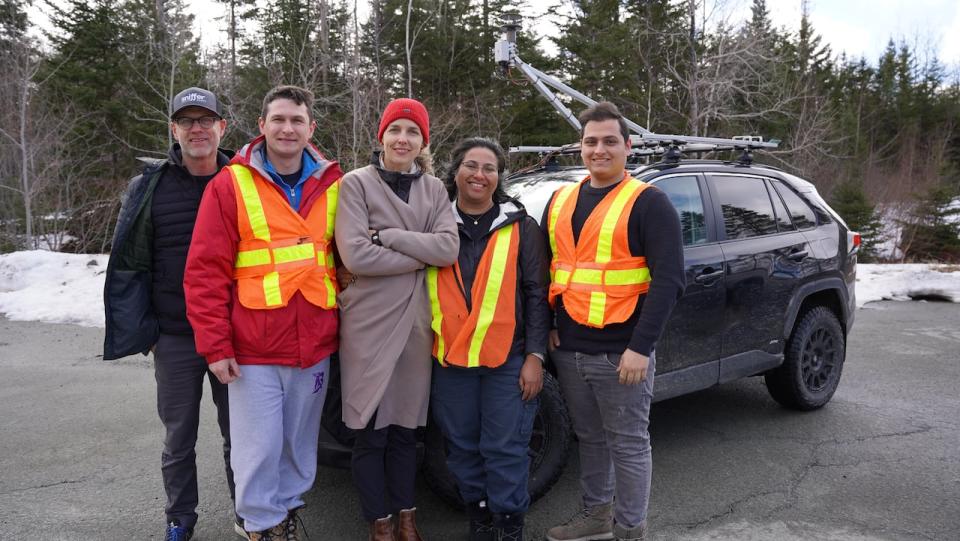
point(280, 252)
point(600, 285)
point(484, 335)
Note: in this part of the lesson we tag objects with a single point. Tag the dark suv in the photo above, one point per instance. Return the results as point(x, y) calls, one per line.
point(770, 272)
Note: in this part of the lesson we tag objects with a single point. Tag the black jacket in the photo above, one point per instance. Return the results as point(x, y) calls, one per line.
point(533, 313)
point(654, 233)
point(132, 322)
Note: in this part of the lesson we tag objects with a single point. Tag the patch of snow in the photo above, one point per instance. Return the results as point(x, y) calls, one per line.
point(68, 288)
point(53, 287)
point(906, 282)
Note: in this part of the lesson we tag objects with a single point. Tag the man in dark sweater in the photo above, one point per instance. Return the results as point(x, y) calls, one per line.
point(144, 299)
point(616, 272)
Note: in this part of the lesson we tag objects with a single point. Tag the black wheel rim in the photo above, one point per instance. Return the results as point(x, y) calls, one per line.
point(820, 353)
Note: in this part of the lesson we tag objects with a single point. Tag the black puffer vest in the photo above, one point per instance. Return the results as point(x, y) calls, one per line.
point(173, 212)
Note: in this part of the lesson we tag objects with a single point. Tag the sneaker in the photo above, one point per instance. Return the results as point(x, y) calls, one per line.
point(481, 522)
point(508, 527)
point(176, 532)
point(637, 533)
point(590, 524)
point(238, 527)
point(277, 533)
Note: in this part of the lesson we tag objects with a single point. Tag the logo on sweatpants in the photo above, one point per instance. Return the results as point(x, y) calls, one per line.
point(317, 382)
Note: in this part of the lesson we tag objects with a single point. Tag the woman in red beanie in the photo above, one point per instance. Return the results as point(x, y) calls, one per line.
point(394, 219)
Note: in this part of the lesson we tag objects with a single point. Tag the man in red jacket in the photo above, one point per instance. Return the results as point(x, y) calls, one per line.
point(261, 297)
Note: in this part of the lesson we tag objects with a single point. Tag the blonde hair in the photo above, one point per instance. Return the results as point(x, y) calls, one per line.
point(425, 160)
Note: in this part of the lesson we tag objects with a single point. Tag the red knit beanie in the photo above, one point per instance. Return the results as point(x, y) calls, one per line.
point(406, 108)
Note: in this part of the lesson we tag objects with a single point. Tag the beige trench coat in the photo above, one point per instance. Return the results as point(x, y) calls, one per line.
point(385, 335)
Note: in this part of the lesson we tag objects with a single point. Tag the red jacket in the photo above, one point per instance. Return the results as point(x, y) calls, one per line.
point(299, 334)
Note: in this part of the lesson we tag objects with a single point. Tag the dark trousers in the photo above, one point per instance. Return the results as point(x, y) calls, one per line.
point(487, 426)
point(180, 373)
point(384, 465)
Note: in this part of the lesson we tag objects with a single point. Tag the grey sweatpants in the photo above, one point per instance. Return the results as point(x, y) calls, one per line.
point(274, 423)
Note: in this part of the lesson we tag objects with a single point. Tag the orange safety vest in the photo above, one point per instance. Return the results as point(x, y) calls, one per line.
point(483, 336)
point(598, 278)
point(280, 252)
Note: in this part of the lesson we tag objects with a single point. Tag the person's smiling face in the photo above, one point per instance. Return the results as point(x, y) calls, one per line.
point(287, 128)
point(402, 143)
point(604, 151)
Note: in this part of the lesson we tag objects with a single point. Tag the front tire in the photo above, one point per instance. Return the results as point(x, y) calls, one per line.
point(813, 362)
point(549, 449)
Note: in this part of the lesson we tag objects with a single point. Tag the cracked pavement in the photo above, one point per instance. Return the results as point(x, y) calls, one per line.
point(80, 449)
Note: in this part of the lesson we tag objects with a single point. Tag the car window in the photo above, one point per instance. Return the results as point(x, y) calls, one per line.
point(783, 219)
point(802, 214)
point(684, 193)
point(747, 211)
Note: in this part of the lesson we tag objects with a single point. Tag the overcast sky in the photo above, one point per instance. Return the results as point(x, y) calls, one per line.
point(859, 27)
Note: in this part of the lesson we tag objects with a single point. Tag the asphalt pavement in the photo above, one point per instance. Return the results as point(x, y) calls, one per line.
point(80, 446)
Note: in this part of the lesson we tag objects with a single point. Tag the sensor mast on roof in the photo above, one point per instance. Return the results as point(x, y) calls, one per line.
point(505, 54)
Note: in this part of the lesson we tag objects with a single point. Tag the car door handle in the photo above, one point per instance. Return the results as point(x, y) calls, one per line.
point(799, 255)
point(708, 274)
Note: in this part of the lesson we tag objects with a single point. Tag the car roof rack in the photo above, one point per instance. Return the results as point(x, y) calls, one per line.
point(505, 54)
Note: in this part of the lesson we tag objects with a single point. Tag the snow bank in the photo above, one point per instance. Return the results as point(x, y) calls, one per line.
point(906, 282)
point(68, 288)
point(52, 287)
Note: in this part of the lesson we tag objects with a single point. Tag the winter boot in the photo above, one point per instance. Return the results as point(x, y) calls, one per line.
point(637, 533)
point(277, 533)
point(590, 524)
point(295, 526)
point(407, 526)
point(382, 529)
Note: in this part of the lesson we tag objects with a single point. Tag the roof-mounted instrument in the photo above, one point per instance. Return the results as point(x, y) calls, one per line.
point(671, 146)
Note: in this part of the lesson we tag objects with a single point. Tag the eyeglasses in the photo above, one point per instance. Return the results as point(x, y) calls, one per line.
point(186, 122)
point(472, 168)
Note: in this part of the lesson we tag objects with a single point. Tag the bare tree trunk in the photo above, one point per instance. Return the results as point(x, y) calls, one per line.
point(409, 50)
point(354, 83)
point(694, 112)
point(233, 46)
point(25, 162)
point(324, 42)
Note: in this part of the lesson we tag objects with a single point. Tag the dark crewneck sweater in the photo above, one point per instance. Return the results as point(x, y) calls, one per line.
point(654, 233)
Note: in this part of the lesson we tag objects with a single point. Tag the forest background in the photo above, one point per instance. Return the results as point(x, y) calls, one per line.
point(83, 99)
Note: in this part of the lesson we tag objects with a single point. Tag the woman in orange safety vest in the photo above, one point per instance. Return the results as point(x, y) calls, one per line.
point(490, 322)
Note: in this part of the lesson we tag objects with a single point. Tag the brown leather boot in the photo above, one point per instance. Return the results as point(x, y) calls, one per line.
point(407, 526)
point(382, 529)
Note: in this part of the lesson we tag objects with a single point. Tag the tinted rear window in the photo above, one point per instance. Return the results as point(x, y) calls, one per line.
point(747, 211)
point(802, 214)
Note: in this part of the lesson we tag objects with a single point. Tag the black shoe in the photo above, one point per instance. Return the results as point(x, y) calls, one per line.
point(508, 527)
point(481, 522)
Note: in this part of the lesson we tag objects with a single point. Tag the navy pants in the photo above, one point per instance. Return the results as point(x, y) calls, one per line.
point(487, 426)
point(180, 373)
point(384, 466)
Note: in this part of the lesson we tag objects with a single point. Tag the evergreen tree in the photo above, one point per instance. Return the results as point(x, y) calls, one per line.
point(933, 233)
point(595, 51)
point(852, 204)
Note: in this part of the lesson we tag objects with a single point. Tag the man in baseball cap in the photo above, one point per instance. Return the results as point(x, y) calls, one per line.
point(144, 299)
point(194, 97)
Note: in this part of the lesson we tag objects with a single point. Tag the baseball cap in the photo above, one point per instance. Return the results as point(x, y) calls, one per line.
point(194, 97)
